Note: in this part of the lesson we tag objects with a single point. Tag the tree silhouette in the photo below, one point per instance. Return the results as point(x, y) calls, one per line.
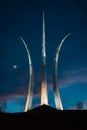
point(3, 107)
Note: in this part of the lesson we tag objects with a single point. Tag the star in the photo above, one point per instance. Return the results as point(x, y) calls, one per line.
point(14, 66)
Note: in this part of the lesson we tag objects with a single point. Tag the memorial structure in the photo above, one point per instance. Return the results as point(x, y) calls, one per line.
point(44, 95)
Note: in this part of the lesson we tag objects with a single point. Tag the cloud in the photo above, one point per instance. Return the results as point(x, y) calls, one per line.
point(70, 77)
point(5, 98)
point(73, 76)
point(16, 103)
point(77, 71)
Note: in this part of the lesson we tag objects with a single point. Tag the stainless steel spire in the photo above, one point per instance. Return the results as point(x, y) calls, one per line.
point(31, 79)
point(57, 98)
point(44, 97)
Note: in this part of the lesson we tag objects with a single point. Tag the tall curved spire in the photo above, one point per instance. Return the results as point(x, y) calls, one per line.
point(31, 79)
point(44, 97)
point(57, 98)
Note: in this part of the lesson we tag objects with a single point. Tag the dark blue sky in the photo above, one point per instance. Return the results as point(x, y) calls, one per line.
point(24, 18)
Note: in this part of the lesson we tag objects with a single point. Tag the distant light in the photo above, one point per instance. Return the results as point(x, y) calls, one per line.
point(14, 66)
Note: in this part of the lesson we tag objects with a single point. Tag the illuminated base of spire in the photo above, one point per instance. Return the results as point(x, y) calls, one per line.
point(28, 103)
point(58, 102)
point(44, 98)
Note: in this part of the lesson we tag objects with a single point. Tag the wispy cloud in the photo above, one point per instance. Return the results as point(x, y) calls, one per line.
point(73, 76)
point(5, 98)
point(77, 71)
point(70, 77)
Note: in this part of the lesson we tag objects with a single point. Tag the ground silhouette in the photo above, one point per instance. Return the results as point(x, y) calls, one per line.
point(45, 117)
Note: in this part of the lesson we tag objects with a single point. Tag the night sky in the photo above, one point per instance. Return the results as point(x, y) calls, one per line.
point(24, 18)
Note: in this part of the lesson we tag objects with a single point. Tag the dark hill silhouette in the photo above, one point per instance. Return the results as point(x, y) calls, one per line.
point(45, 117)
